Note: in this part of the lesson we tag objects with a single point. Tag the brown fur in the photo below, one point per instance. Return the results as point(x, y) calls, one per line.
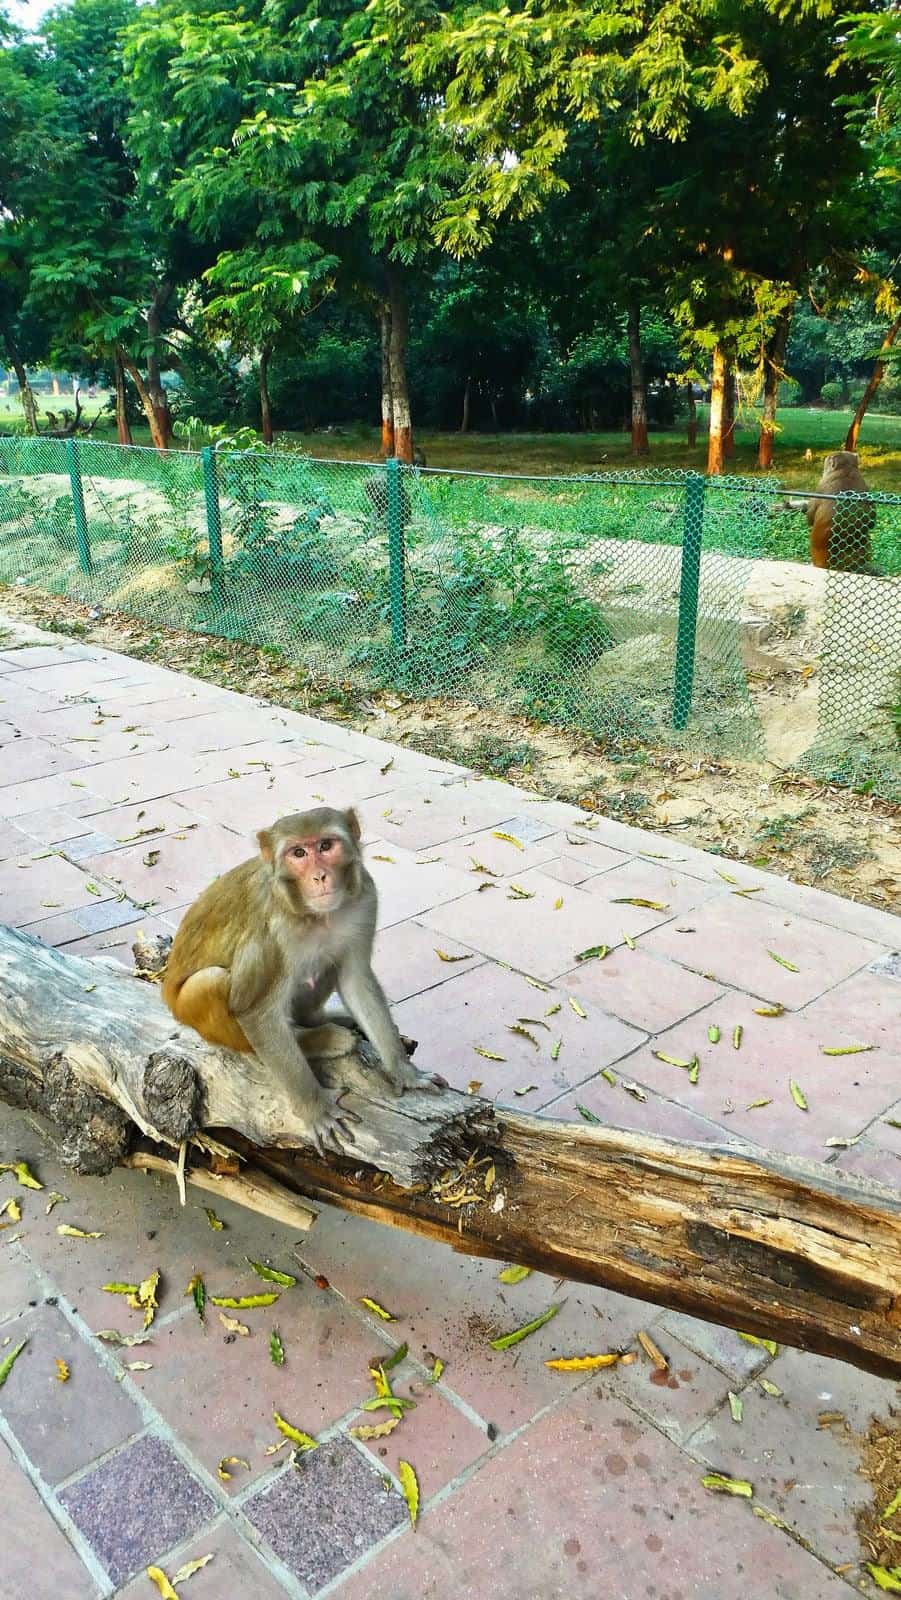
point(841, 532)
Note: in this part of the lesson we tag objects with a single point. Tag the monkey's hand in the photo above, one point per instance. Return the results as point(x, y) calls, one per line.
point(402, 1075)
point(331, 1125)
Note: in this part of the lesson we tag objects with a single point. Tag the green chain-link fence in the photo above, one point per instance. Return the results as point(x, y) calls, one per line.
point(642, 608)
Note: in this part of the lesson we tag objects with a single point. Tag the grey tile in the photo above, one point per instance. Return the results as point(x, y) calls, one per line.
point(87, 844)
point(107, 914)
point(721, 1346)
point(136, 1506)
point(529, 829)
point(325, 1513)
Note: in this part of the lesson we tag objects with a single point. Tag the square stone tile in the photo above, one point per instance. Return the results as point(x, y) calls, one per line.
point(70, 677)
point(185, 864)
point(254, 800)
point(115, 944)
point(144, 777)
point(62, 1426)
point(731, 938)
point(421, 816)
point(645, 990)
point(19, 1287)
point(38, 1559)
point(236, 1571)
point(808, 1475)
point(405, 888)
point(123, 824)
point(482, 847)
point(84, 846)
point(34, 887)
point(534, 935)
point(843, 1092)
point(678, 893)
point(36, 758)
point(44, 655)
point(573, 1510)
point(42, 794)
point(677, 1401)
point(52, 825)
point(98, 916)
point(406, 964)
point(452, 1306)
point(137, 1503)
point(436, 1437)
point(657, 1116)
point(865, 1009)
point(720, 1346)
point(112, 743)
point(870, 1160)
point(476, 1011)
point(14, 842)
point(325, 1513)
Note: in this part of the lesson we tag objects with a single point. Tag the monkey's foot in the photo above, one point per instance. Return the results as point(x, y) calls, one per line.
point(327, 1042)
point(402, 1075)
point(331, 1126)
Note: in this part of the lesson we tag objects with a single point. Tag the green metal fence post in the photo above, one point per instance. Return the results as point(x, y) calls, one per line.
point(689, 585)
point(397, 572)
point(213, 521)
point(81, 522)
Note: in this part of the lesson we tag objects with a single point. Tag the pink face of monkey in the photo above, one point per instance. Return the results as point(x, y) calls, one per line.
point(316, 856)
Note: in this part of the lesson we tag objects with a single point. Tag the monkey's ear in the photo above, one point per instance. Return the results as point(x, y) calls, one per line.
point(266, 844)
point(353, 824)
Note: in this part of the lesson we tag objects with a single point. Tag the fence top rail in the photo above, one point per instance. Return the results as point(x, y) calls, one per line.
point(629, 477)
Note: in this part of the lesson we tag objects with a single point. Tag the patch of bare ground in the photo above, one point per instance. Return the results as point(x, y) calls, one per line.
point(879, 1523)
point(780, 820)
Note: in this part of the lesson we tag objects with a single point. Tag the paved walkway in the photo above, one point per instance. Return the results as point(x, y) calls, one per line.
point(534, 1483)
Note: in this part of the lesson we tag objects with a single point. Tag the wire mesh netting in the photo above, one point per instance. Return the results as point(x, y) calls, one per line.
point(642, 608)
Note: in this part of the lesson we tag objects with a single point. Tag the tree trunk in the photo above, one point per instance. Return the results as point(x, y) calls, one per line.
point(692, 416)
point(467, 400)
point(387, 396)
point(770, 1244)
point(729, 398)
point(29, 405)
point(265, 409)
point(158, 437)
point(773, 373)
point(123, 426)
point(161, 433)
point(719, 375)
point(876, 378)
point(639, 422)
point(397, 346)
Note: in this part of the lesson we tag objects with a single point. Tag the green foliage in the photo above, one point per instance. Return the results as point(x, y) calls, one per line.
point(833, 394)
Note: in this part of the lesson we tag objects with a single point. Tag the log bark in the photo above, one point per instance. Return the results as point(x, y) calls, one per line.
point(875, 379)
point(766, 1243)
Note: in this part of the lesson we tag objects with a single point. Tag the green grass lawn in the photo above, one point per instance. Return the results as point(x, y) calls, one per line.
point(801, 428)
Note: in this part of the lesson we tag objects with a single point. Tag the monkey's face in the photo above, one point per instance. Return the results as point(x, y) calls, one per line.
point(318, 864)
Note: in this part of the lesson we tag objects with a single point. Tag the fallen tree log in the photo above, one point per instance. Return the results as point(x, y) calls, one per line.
point(766, 1243)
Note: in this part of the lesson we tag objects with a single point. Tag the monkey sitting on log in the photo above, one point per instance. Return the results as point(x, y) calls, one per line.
point(262, 949)
point(841, 532)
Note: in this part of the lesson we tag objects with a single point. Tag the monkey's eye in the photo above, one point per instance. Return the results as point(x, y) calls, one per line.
point(298, 852)
point(325, 845)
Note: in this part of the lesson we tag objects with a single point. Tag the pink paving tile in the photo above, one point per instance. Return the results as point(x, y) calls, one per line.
point(36, 758)
point(451, 1306)
point(886, 1130)
point(677, 893)
point(719, 1346)
point(113, 744)
point(649, 992)
point(255, 800)
point(565, 870)
point(576, 1504)
point(13, 842)
point(534, 935)
point(870, 1160)
point(849, 915)
point(406, 889)
point(805, 1473)
point(236, 1570)
point(52, 825)
point(76, 677)
point(55, 930)
point(28, 1527)
point(865, 1009)
point(185, 864)
point(587, 853)
point(115, 944)
point(730, 939)
point(843, 1092)
point(479, 1008)
point(19, 1286)
point(424, 815)
point(28, 893)
point(658, 1116)
point(437, 1436)
point(483, 848)
point(229, 1410)
point(406, 963)
point(42, 794)
point(44, 655)
point(124, 823)
point(144, 777)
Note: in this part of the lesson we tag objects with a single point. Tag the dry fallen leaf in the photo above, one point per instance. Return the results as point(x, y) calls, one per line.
point(301, 1440)
point(271, 1275)
point(63, 1371)
point(769, 1345)
point(12, 1209)
point(782, 962)
point(410, 1487)
point(488, 1055)
point(23, 1173)
point(508, 838)
point(67, 1232)
point(722, 1485)
point(373, 1305)
point(574, 1006)
point(443, 955)
point(158, 1576)
point(375, 1430)
point(230, 1461)
point(232, 1325)
point(514, 1274)
point(244, 1302)
point(610, 1358)
point(190, 1567)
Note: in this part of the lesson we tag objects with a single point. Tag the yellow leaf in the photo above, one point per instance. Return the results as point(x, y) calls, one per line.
point(410, 1484)
point(384, 858)
point(23, 1173)
point(514, 1274)
point(769, 1011)
point(725, 876)
point(373, 1305)
point(528, 1088)
point(637, 900)
point(145, 1300)
point(54, 1198)
point(769, 1345)
point(303, 1441)
point(558, 904)
point(754, 1105)
point(886, 1578)
point(629, 942)
point(139, 1366)
point(158, 1576)
point(671, 1061)
point(443, 956)
point(230, 1461)
point(12, 1209)
point(515, 891)
point(797, 1094)
point(286, 1280)
point(215, 1222)
point(736, 1036)
point(552, 1010)
point(62, 1370)
point(244, 1302)
point(524, 1034)
point(8, 1362)
point(190, 1567)
point(120, 1288)
point(375, 1430)
point(67, 1232)
point(534, 984)
point(782, 962)
point(574, 1006)
point(508, 838)
point(488, 1055)
point(584, 1363)
point(721, 1485)
point(846, 1050)
point(437, 1369)
point(232, 1325)
point(770, 1388)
